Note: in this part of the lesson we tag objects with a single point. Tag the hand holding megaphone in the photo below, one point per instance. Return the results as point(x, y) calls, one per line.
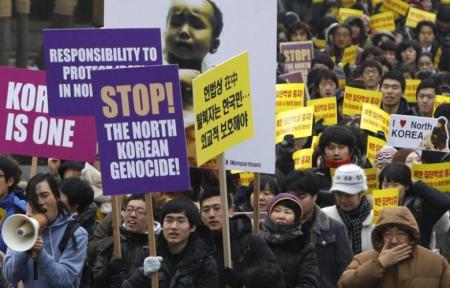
point(20, 232)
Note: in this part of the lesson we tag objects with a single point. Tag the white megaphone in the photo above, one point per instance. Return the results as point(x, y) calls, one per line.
point(20, 232)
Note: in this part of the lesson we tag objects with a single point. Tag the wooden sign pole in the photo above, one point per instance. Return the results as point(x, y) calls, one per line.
point(226, 223)
point(256, 191)
point(115, 201)
point(34, 163)
point(151, 235)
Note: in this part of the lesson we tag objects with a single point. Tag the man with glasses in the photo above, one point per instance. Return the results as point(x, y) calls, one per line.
point(426, 97)
point(371, 74)
point(112, 271)
point(396, 260)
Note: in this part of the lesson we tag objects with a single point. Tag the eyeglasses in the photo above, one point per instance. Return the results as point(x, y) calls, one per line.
point(139, 211)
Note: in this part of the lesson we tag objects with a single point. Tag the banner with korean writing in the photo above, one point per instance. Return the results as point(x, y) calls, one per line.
point(411, 89)
point(297, 122)
point(140, 130)
point(71, 55)
point(245, 177)
point(224, 120)
point(290, 96)
point(382, 22)
point(398, 6)
point(440, 99)
point(374, 119)
point(374, 145)
point(28, 129)
point(436, 175)
point(326, 109)
point(372, 179)
point(344, 13)
point(298, 56)
point(416, 15)
point(303, 158)
point(418, 133)
point(354, 98)
point(350, 54)
point(383, 198)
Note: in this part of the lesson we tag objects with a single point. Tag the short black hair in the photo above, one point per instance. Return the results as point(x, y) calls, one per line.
point(182, 205)
point(32, 197)
point(339, 135)
point(396, 172)
point(405, 44)
point(394, 75)
point(325, 74)
point(425, 23)
point(372, 64)
point(271, 181)
point(264, 275)
point(211, 191)
point(388, 46)
point(78, 192)
point(426, 83)
point(134, 197)
point(302, 182)
point(10, 170)
point(323, 59)
point(443, 110)
point(374, 50)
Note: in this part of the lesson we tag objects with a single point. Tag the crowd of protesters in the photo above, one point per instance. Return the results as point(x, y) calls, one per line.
point(317, 228)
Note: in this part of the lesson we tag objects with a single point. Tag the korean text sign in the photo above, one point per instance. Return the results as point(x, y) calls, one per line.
point(222, 108)
point(437, 175)
point(140, 130)
point(354, 98)
point(26, 127)
point(72, 55)
point(382, 199)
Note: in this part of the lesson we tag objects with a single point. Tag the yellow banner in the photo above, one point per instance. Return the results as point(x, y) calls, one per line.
point(344, 13)
point(297, 122)
point(416, 15)
point(382, 22)
point(246, 178)
point(397, 6)
point(342, 83)
point(354, 98)
point(375, 119)
point(303, 158)
point(320, 43)
point(289, 96)
point(436, 175)
point(381, 199)
point(440, 99)
point(437, 58)
point(372, 179)
point(226, 119)
point(374, 145)
point(326, 109)
point(315, 142)
point(411, 88)
point(350, 54)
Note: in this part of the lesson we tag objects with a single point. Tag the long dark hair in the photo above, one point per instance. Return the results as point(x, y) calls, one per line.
point(33, 198)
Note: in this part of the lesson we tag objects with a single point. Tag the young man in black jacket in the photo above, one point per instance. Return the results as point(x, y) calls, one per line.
point(247, 249)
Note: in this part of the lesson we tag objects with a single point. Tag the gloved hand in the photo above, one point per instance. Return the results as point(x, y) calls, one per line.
point(319, 127)
point(151, 265)
point(117, 265)
point(231, 277)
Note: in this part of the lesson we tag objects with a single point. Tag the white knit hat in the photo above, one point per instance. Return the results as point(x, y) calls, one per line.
point(349, 179)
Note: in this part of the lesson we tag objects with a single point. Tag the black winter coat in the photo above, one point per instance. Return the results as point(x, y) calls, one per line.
point(427, 205)
point(134, 250)
point(196, 268)
point(298, 261)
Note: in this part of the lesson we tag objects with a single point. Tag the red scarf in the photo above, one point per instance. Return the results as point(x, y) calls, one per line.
point(336, 164)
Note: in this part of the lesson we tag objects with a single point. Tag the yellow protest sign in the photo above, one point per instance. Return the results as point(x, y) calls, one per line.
point(326, 109)
point(344, 13)
point(347, 3)
point(303, 158)
point(315, 142)
point(436, 175)
point(397, 6)
point(374, 145)
point(372, 179)
point(383, 198)
point(320, 43)
point(354, 98)
point(289, 96)
point(246, 178)
point(350, 54)
point(437, 58)
point(374, 119)
point(382, 22)
point(416, 15)
point(297, 122)
point(225, 119)
point(440, 99)
point(411, 88)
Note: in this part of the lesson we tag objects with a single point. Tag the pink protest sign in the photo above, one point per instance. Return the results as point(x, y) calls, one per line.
point(27, 129)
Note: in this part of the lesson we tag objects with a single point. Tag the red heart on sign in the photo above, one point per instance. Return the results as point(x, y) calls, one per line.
point(402, 123)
